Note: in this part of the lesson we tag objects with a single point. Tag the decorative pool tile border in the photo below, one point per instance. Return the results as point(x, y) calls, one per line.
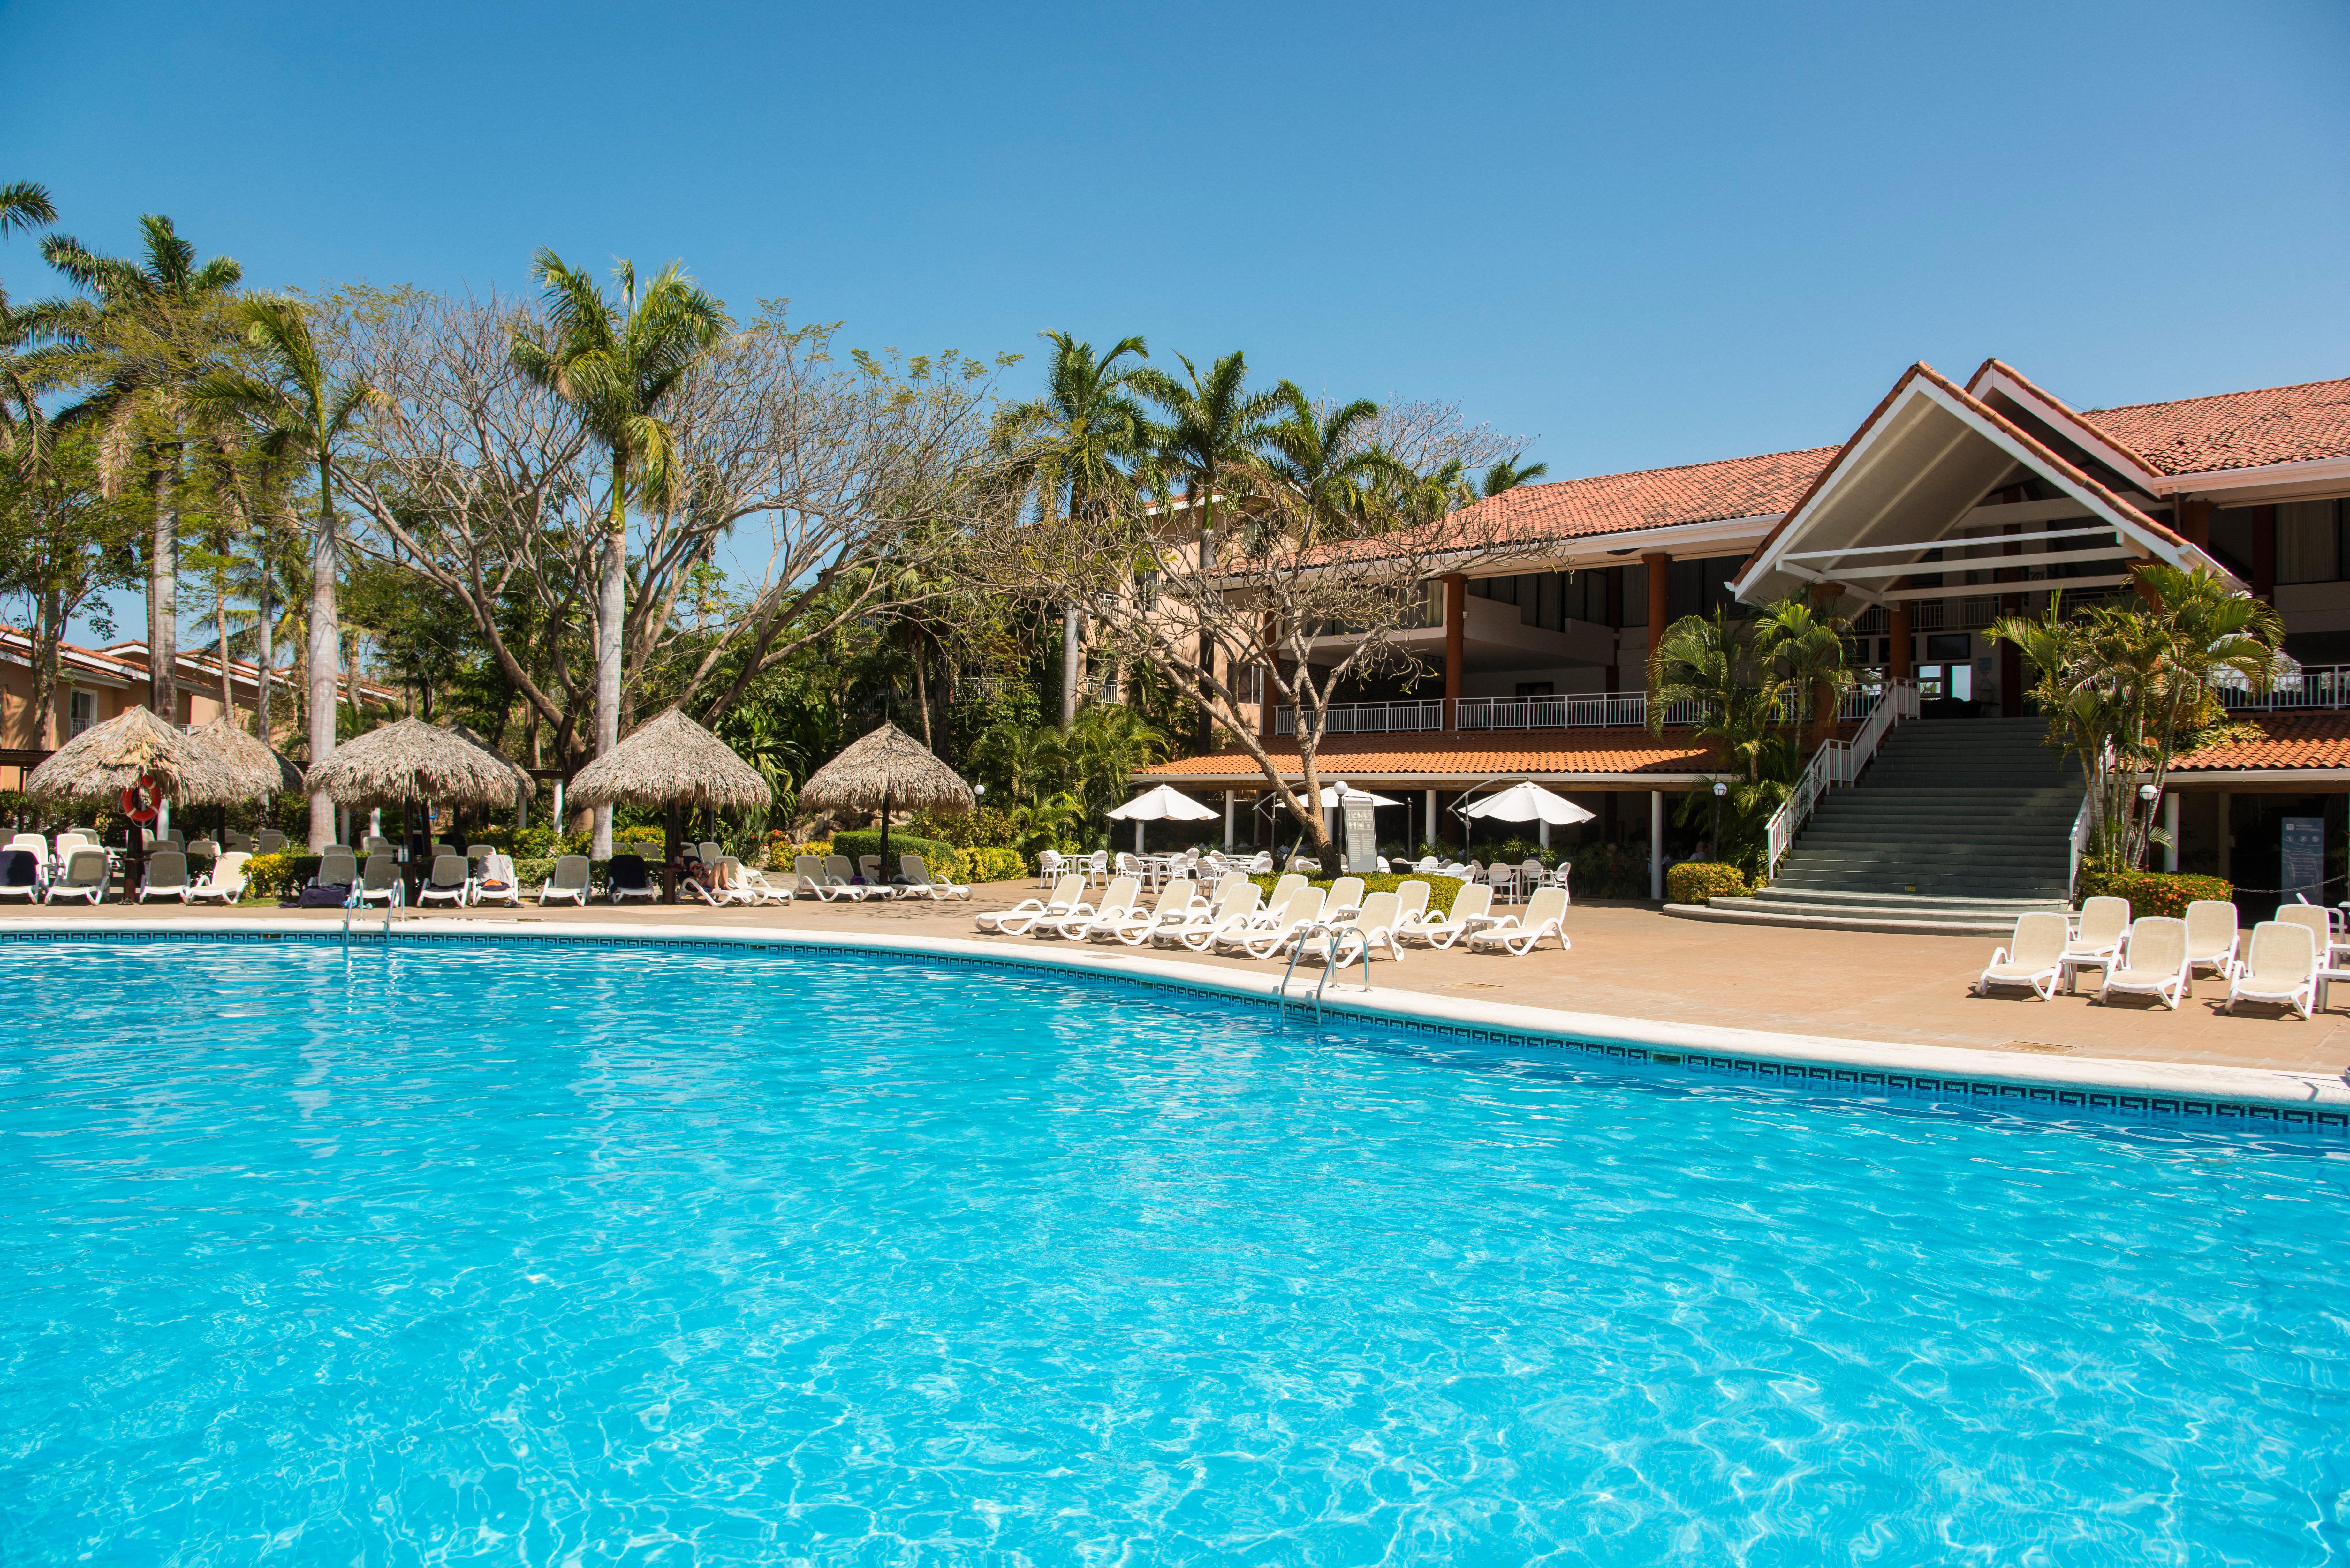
point(1987, 1093)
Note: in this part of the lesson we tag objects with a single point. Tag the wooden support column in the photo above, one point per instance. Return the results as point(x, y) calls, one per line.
point(1903, 663)
point(1456, 610)
point(1657, 561)
point(2195, 523)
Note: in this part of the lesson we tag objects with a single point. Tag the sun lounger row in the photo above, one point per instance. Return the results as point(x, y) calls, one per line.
point(2158, 956)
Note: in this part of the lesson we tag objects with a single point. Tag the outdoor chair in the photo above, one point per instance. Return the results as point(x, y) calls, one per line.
point(2313, 918)
point(1175, 904)
point(88, 872)
point(626, 878)
point(225, 882)
point(477, 853)
point(1017, 920)
point(167, 877)
point(921, 884)
point(2033, 957)
point(494, 881)
point(1120, 902)
point(2212, 935)
point(836, 871)
point(1346, 899)
point(1502, 879)
point(1303, 913)
point(67, 842)
point(567, 885)
point(1412, 905)
point(710, 854)
point(175, 839)
point(1518, 935)
point(23, 874)
point(379, 878)
point(752, 886)
point(1048, 866)
point(2097, 942)
point(231, 839)
point(1426, 866)
point(33, 843)
point(269, 841)
point(451, 881)
point(1372, 929)
point(1199, 933)
point(337, 868)
point(1471, 911)
point(2153, 962)
point(1273, 915)
point(2282, 968)
point(203, 848)
point(827, 879)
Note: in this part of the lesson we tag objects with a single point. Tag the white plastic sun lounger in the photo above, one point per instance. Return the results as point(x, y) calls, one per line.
point(2033, 957)
point(2212, 935)
point(2281, 969)
point(569, 882)
point(1471, 911)
point(2097, 942)
point(380, 875)
point(450, 882)
point(1016, 920)
point(1176, 903)
point(1121, 900)
point(87, 876)
point(751, 884)
point(1345, 897)
point(1519, 934)
point(921, 884)
point(225, 882)
point(2315, 917)
point(496, 868)
point(1303, 913)
point(1271, 915)
point(2154, 962)
point(167, 877)
point(1198, 932)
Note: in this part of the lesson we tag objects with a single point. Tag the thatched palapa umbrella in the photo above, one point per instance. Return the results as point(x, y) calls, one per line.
point(887, 770)
point(670, 761)
point(264, 769)
point(411, 759)
point(135, 747)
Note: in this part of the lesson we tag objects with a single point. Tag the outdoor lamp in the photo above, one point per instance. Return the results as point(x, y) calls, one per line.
point(2147, 793)
point(1720, 789)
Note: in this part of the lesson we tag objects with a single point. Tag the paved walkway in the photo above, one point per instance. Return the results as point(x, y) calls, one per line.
point(1632, 961)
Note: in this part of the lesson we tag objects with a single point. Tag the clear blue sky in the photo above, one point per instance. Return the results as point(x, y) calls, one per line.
point(1642, 234)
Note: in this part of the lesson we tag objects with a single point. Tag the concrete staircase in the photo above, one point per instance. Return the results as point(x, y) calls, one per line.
point(1959, 826)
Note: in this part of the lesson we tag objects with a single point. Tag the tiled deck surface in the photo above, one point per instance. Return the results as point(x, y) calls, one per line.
point(1633, 962)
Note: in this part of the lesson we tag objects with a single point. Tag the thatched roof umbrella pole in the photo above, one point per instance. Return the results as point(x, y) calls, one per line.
point(135, 747)
point(411, 759)
point(885, 770)
point(671, 761)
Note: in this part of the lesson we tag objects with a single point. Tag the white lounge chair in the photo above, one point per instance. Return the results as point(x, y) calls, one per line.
point(2033, 957)
point(1267, 916)
point(1121, 900)
point(35, 851)
point(2212, 935)
point(1176, 903)
point(450, 882)
point(87, 874)
point(225, 882)
point(1519, 934)
point(1199, 931)
point(839, 879)
point(1346, 897)
point(751, 884)
point(921, 884)
point(337, 868)
point(1411, 904)
point(2097, 941)
point(1374, 927)
point(2153, 964)
point(568, 885)
point(1016, 920)
point(203, 849)
point(494, 881)
point(1303, 913)
point(1472, 909)
point(167, 877)
point(269, 841)
point(709, 853)
point(379, 878)
point(2317, 920)
point(2282, 968)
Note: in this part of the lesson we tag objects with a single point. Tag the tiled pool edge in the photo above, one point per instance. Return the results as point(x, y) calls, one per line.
point(2221, 1096)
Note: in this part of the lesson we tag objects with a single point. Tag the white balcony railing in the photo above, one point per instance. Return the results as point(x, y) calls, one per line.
point(1594, 710)
point(1368, 719)
point(2315, 686)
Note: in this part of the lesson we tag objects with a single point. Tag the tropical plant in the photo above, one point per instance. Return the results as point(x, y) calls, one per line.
point(1506, 475)
point(616, 361)
point(2122, 686)
point(1104, 747)
point(1710, 665)
point(1808, 648)
point(146, 328)
point(1075, 445)
point(1324, 457)
point(297, 411)
point(1022, 763)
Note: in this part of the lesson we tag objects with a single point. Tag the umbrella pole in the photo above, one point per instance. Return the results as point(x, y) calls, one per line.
point(668, 858)
point(885, 837)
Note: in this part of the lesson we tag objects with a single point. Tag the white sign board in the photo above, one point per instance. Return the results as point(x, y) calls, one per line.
point(1362, 841)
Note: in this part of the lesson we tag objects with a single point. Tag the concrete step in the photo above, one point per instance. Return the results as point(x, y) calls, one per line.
point(1839, 920)
point(1906, 904)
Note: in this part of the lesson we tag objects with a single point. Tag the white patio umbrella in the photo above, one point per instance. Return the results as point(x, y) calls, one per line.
point(1164, 804)
point(1529, 802)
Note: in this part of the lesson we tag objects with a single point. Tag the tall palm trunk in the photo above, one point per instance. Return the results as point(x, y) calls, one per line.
point(610, 606)
point(264, 655)
point(48, 631)
point(1072, 663)
point(326, 644)
point(163, 602)
point(220, 633)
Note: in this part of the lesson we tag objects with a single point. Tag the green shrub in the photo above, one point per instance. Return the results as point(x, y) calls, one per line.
point(276, 876)
point(989, 827)
point(1695, 881)
point(2153, 892)
point(941, 858)
point(994, 864)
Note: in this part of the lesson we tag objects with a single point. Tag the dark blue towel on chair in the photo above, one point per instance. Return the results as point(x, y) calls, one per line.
point(18, 869)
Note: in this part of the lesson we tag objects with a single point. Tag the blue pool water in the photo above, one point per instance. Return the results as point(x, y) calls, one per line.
point(559, 1256)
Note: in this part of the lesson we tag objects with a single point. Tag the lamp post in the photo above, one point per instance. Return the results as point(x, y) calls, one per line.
point(1720, 789)
point(2147, 794)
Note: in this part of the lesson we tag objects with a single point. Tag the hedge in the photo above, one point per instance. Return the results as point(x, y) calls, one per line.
point(2154, 892)
point(274, 876)
point(1695, 881)
point(942, 859)
point(1441, 890)
point(993, 865)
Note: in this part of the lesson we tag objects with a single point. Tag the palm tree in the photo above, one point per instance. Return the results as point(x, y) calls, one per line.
point(23, 425)
point(1025, 761)
point(1707, 662)
point(151, 326)
point(1506, 475)
point(297, 412)
point(616, 363)
point(1104, 747)
point(1809, 648)
point(1325, 459)
point(1214, 426)
point(1073, 441)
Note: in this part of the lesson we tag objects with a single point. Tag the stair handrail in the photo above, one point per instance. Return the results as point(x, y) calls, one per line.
point(2080, 846)
point(1837, 763)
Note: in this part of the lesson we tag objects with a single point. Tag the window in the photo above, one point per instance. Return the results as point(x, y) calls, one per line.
point(1947, 646)
point(81, 712)
point(2309, 542)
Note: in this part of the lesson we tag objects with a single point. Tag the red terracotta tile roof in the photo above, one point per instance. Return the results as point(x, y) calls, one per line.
point(1478, 755)
point(2292, 740)
point(2235, 430)
point(1654, 497)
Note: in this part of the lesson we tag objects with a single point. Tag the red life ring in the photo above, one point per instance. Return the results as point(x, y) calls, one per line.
point(139, 801)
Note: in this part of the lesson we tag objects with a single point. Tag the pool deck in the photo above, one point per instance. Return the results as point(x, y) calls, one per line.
point(1628, 963)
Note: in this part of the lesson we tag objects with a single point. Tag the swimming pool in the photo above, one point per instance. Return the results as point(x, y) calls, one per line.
point(461, 1253)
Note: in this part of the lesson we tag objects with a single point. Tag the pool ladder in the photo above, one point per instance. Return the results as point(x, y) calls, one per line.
point(398, 900)
point(1331, 964)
